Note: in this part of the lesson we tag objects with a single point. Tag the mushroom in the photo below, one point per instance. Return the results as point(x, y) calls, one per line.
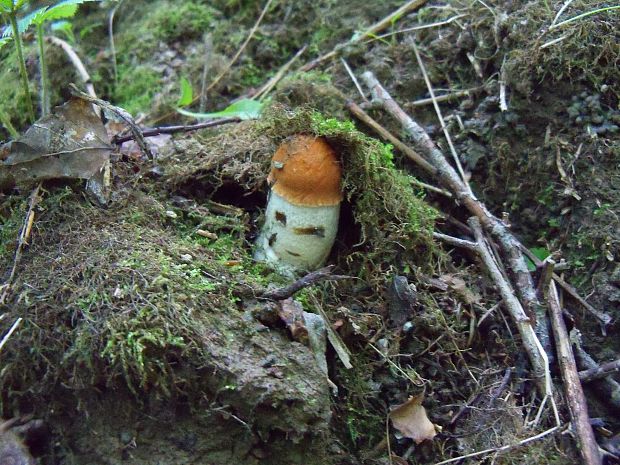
point(301, 219)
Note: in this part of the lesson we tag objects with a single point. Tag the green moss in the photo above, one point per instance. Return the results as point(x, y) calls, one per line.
point(136, 88)
point(172, 21)
point(11, 220)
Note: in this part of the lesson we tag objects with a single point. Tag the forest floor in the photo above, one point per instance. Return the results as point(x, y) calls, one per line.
point(144, 330)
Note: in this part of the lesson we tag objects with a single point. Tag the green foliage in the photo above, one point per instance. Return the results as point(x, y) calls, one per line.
point(540, 252)
point(244, 109)
point(138, 345)
point(184, 21)
point(136, 88)
point(187, 94)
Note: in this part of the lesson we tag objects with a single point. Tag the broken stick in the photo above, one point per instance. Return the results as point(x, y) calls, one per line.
point(576, 400)
point(323, 274)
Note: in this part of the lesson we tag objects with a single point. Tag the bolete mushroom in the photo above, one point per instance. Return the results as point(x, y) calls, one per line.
point(301, 219)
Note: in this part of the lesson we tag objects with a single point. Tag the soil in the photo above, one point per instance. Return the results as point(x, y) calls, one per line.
point(145, 337)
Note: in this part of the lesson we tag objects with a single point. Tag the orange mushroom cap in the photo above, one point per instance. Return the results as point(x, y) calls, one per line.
point(306, 171)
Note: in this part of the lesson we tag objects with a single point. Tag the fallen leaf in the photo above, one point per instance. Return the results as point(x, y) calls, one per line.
point(291, 313)
point(459, 286)
point(411, 420)
point(71, 143)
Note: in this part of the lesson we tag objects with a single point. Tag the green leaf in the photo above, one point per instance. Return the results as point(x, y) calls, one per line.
point(244, 109)
point(4, 41)
point(66, 27)
point(187, 95)
point(33, 18)
point(6, 6)
point(539, 252)
point(64, 9)
point(60, 11)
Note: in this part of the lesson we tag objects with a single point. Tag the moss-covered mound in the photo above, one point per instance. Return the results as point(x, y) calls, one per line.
point(128, 306)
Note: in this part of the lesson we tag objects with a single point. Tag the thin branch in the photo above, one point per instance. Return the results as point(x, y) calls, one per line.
point(10, 332)
point(503, 448)
point(118, 112)
point(22, 240)
point(604, 319)
point(150, 132)
point(111, 34)
point(242, 48)
point(455, 241)
point(536, 353)
point(77, 64)
point(575, 397)
point(323, 274)
point(388, 136)
point(269, 85)
point(420, 27)
point(368, 33)
point(208, 50)
point(606, 369)
point(431, 91)
point(353, 78)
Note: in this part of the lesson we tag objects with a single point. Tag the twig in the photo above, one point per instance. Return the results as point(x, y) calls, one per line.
point(242, 48)
point(607, 388)
point(77, 64)
point(111, 34)
point(455, 241)
point(323, 274)
point(353, 78)
point(503, 105)
point(599, 372)
point(561, 10)
point(603, 318)
point(576, 400)
point(450, 179)
point(368, 33)
point(386, 135)
point(440, 98)
point(334, 338)
point(431, 91)
point(10, 332)
point(269, 85)
point(150, 132)
point(536, 353)
point(22, 240)
point(120, 113)
point(503, 448)
point(208, 41)
point(546, 276)
point(420, 27)
point(431, 188)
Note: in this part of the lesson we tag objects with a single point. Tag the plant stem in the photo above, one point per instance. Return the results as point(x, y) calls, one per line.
point(22, 64)
point(6, 122)
point(45, 97)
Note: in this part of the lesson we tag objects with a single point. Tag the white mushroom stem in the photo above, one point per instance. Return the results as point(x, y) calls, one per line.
point(296, 237)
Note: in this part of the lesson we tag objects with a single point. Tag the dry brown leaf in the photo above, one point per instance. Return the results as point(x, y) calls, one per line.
point(411, 420)
point(291, 313)
point(459, 286)
point(71, 143)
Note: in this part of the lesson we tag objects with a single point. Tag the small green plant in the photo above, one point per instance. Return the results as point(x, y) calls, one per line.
point(62, 10)
point(38, 18)
point(9, 9)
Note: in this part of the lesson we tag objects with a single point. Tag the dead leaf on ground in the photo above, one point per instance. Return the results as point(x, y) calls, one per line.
point(291, 313)
point(411, 420)
point(459, 286)
point(71, 143)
